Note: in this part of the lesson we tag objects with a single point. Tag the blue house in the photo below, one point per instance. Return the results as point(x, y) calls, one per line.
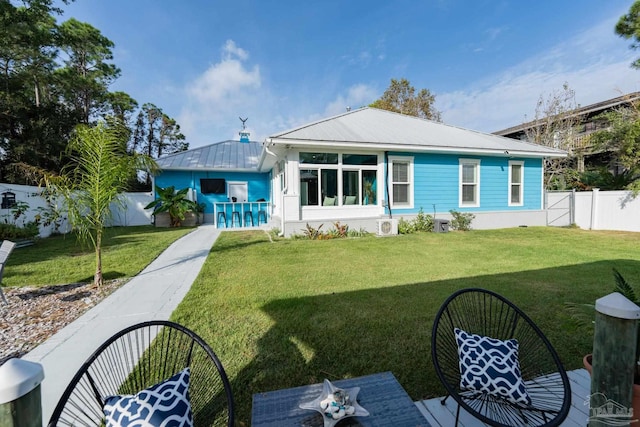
point(366, 168)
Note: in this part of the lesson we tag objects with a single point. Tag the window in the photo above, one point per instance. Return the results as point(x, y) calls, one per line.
point(516, 178)
point(8, 200)
point(401, 171)
point(469, 182)
point(333, 179)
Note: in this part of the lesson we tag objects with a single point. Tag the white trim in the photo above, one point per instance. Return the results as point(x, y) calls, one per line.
point(411, 181)
point(305, 145)
point(521, 184)
point(244, 184)
point(340, 167)
point(476, 163)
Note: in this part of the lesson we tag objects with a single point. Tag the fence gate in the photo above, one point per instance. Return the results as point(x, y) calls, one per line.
point(559, 206)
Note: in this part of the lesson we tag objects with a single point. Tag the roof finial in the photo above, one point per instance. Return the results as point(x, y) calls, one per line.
point(244, 134)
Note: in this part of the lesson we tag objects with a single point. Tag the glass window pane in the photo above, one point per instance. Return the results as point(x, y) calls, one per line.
point(469, 194)
point(515, 194)
point(350, 187)
point(400, 172)
point(360, 159)
point(319, 158)
point(516, 174)
point(469, 173)
point(309, 187)
point(369, 191)
point(329, 183)
point(400, 194)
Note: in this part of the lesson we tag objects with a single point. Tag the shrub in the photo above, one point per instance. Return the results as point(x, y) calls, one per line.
point(312, 233)
point(422, 222)
point(13, 232)
point(358, 233)
point(339, 230)
point(461, 221)
point(405, 227)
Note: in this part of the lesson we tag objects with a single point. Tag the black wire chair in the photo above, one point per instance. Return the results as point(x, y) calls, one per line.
point(485, 313)
point(138, 357)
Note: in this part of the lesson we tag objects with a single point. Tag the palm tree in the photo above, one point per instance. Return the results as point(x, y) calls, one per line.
point(98, 173)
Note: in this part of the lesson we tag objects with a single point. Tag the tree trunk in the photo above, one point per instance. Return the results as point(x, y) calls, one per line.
point(97, 279)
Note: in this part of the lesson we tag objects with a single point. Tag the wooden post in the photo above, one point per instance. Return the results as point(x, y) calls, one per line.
point(614, 351)
point(20, 404)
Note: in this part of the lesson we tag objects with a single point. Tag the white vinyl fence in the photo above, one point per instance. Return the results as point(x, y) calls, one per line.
point(594, 210)
point(133, 212)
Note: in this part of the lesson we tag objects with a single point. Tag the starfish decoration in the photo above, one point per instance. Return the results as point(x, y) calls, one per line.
point(327, 389)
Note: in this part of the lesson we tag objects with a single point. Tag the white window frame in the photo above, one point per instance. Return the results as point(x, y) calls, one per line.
point(511, 183)
point(476, 164)
point(410, 183)
point(341, 167)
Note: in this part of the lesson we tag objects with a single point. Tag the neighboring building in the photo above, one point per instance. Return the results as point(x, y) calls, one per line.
point(368, 165)
point(587, 123)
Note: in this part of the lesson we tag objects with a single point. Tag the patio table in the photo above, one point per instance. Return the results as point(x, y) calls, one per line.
point(380, 394)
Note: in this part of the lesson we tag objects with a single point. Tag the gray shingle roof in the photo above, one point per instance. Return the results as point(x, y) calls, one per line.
point(386, 130)
point(224, 155)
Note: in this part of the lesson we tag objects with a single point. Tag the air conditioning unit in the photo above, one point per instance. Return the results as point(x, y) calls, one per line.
point(387, 227)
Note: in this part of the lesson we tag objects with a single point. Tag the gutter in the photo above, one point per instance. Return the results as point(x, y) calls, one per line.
point(386, 181)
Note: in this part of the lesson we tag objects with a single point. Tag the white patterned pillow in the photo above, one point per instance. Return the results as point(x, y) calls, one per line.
point(491, 366)
point(166, 403)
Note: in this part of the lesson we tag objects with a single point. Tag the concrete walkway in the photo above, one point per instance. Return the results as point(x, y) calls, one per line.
point(152, 294)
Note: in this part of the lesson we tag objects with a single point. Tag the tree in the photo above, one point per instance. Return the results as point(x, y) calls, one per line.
point(401, 97)
point(34, 127)
point(628, 26)
point(98, 173)
point(87, 73)
point(156, 133)
point(170, 139)
point(622, 138)
point(554, 126)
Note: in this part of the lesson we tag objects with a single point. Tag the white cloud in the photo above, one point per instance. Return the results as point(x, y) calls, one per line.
point(595, 63)
point(357, 96)
point(230, 49)
point(221, 93)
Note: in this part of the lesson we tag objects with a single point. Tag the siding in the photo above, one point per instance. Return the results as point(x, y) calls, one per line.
point(436, 179)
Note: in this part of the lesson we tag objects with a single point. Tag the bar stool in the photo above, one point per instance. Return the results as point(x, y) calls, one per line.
point(263, 215)
point(248, 214)
point(222, 216)
point(236, 215)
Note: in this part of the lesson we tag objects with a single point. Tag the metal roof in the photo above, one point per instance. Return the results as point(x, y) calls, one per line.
point(224, 155)
point(380, 129)
point(580, 112)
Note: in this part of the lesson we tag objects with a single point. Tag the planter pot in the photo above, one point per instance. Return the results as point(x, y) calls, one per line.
point(635, 400)
point(190, 219)
point(162, 219)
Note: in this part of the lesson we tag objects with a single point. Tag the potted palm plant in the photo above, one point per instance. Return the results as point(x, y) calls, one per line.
point(579, 314)
point(171, 208)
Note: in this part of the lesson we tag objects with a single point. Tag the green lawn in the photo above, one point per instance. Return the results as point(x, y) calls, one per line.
point(61, 259)
point(293, 312)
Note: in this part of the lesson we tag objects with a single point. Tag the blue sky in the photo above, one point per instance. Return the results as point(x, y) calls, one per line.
point(285, 63)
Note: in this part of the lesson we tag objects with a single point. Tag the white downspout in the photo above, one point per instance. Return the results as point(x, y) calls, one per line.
point(282, 192)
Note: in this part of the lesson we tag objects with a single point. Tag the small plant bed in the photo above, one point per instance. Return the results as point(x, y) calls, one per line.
point(339, 231)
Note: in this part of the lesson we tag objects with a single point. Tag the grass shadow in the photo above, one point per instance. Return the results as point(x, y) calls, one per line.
point(349, 334)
